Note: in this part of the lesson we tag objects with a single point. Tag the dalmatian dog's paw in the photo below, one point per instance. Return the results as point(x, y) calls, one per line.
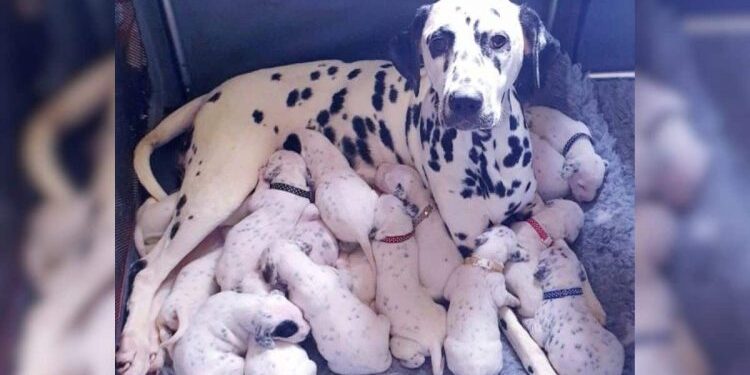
point(132, 357)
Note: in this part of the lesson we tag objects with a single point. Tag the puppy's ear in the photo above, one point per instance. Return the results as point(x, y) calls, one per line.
point(268, 269)
point(263, 337)
point(518, 255)
point(481, 240)
point(399, 192)
point(373, 233)
point(536, 38)
point(541, 273)
point(570, 167)
point(285, 329)
point(404, 49)
point(270, 173)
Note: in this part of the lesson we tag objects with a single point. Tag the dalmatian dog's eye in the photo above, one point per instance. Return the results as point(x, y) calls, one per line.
point(438, 45)
point(498, 41)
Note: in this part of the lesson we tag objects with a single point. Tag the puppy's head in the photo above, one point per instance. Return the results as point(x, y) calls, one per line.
point(561, 218)
point(499, 244)
point(400, 180)
point(472, 52)
point(391, 218)
point(585, 174)
point(287, 167)
point(279, 319)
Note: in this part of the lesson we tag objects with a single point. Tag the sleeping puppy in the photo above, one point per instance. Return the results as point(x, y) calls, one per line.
point(350, 336)
point(319, 243)
point(356, 273)
point(417, 322)
point(564, 325)
point(283, 359)
point(223, 326)
point(548, 167)
point(584, 168)
point(557, 219)
point(438, 254)
point(345, 200)
point(151, 221)
point(275, 212)
point(193, 286)
point(477, 291)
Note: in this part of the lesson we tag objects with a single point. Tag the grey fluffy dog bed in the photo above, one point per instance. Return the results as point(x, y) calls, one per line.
point(606, 245)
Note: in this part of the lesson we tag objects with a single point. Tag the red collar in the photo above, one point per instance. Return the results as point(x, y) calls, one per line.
point(398, 239)
point(539, 229)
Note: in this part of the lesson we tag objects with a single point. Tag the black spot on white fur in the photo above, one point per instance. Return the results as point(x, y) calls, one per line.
point(214, 97)
point(292, 143)
point(257, 116)
point(292, 98)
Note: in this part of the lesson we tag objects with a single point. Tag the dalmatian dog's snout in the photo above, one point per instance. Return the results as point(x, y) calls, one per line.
point(466, 103)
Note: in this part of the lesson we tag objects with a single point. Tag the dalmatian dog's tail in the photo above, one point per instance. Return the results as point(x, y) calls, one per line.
point(436, 358)
point(172, 126)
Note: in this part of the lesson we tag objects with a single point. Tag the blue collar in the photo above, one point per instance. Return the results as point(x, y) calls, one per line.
point(561, 293)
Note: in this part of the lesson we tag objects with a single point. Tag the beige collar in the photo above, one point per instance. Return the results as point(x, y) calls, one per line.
point(484, 263)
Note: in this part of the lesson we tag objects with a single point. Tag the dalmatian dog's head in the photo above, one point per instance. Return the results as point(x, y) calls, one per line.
point(287, 167)
point(391, 218)
point(279, 319)
point(500, 245)
point(472, 52)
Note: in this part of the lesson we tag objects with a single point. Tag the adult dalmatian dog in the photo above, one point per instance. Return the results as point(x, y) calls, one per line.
point(445, 105)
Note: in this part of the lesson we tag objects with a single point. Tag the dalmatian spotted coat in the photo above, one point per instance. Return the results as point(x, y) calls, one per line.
point(275, 215)
point(348, 334)
point(417, 322)
point(565, 327)
point(227, 323)
point(473, 345)
point(283, 359)
point(445, 105)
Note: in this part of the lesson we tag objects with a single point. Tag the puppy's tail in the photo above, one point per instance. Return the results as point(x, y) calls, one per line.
point(175, 124)
point(436, 358)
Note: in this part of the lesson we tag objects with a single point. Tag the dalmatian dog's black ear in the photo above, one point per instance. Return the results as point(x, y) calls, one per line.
point(285, 329)
point(404, 49)
point(536, 37)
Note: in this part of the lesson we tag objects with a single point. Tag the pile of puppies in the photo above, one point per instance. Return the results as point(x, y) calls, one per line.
point(316, 250)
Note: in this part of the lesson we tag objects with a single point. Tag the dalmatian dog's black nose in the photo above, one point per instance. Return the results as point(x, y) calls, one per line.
point(465, 104)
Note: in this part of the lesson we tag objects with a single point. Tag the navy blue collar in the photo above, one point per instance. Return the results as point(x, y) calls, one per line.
point(561, 293)
point(573, 140)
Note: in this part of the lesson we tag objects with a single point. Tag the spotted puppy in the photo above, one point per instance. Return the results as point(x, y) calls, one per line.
point(345, 200)
point(194, 284)
point(224, 326)
point(548, 168)
point(350, 336)
point(276, 212)
point(565, 326)
point(319, 243)
point(417, 322)
point(355, 271)
point(583, 168)
point(476, 291)
point(438, 255)
point(445, 104)
point(283, 359)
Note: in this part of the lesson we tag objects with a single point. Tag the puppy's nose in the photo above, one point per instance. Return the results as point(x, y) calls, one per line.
point(465, 103)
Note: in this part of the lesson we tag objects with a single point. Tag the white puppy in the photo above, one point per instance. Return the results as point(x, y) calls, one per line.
point(584, 168)
point(275, 212)
point(223, 326)
point(565, 326)
point(548, 167)
point(346, 202)
point(320, 245)
point(556, 219)
point(350, 336)
point(476, 291)
point(194, 284)
point(151, 222)
point(438, 254)
point(355, 271)
point(417, 322)
point(283, 359)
